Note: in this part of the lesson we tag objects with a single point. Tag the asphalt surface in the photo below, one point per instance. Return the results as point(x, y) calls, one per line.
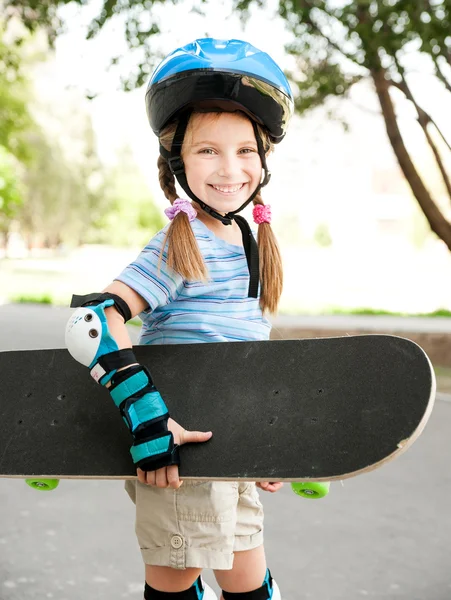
point(383, 535)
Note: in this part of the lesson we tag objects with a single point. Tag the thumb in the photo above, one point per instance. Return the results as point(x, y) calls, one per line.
point(188, 437)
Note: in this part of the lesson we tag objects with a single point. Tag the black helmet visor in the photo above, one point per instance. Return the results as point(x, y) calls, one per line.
point(267, 105)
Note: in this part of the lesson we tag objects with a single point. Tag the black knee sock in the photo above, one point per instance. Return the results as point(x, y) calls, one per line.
point(262, 593)
point(195, 592)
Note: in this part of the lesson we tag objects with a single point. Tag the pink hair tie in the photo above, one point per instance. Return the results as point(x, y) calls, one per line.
point(262, 213)
point(181, 205)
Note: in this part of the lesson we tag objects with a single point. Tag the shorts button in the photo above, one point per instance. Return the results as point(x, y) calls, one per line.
point(176, 542)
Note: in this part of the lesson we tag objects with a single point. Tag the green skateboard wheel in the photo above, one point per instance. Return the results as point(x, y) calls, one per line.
point(313, 490)
point(43, 485)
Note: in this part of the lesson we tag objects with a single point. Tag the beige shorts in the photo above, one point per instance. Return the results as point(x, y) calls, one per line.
point(199, 525)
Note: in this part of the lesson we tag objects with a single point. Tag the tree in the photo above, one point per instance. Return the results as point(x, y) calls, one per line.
point(132, 217)
point(14, 116)
point(339, 44)
point(336, 44)
point(15, 123)
point(11, 191)
point(64, 192)
point(140, 26)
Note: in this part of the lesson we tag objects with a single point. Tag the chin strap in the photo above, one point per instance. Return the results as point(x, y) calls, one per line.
point(177, 167)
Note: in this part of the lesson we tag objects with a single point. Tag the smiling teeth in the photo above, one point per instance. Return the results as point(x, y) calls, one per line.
point(228, 189)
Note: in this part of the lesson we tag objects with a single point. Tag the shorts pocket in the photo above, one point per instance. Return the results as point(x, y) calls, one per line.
point(208, 502)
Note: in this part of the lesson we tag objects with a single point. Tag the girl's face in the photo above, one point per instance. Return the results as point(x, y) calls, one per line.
point(221, 159)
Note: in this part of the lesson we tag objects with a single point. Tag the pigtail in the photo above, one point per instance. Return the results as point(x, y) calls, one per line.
point(184, 255)
point(271, 269)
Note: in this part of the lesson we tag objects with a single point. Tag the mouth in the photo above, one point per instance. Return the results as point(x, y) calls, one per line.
point(228, 190)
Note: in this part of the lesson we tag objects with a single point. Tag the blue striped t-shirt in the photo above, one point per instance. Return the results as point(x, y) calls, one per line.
point(183, 311)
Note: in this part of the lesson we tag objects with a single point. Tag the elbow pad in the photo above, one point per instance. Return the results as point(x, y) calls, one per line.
point(89, 341)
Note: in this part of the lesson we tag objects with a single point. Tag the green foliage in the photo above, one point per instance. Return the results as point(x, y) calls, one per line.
point(322, 236)
point(32, 299)
point(441, 312)
point(138, 17)
point(336, 42)
point(63, 193)
point(11, 190)
point(14, 116)
point(131, 217)
point(57, 201)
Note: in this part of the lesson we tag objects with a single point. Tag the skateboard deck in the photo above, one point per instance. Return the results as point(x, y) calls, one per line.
point(294, 410)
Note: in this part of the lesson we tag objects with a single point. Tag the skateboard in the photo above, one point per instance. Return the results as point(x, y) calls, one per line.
point(307, 411)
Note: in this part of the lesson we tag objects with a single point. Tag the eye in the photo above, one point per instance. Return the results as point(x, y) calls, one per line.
point(247, 150)
point(206, 151)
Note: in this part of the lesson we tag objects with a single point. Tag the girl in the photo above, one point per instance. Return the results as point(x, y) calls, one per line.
point(217, 108)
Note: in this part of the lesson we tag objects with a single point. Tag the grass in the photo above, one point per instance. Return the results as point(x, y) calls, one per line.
point(137, 322)
point(441, 312)
point(48, 298)
point(33, 299)
point(56, 280)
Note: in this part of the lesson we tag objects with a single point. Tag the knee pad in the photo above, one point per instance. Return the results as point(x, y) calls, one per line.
point(268, 591)
point(198, 591)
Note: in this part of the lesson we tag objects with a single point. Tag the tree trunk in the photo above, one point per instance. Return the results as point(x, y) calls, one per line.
point(425, 120)
point(436, 220)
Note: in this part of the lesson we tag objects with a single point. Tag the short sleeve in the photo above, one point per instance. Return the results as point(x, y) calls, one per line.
point(150, 276)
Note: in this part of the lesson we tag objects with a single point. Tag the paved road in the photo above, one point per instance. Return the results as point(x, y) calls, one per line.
point(384, 535)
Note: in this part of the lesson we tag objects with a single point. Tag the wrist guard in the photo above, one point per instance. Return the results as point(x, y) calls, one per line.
point(146, 415)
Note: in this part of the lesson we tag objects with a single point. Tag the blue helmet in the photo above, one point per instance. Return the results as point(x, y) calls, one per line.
point(229, 75)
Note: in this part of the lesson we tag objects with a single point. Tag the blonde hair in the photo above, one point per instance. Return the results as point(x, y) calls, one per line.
point(184, 255)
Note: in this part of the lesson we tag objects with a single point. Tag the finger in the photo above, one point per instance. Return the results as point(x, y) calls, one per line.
point(172, 474)
point(150, 477)
point(274, 487)
point(141, 475)
point(161, 479)
point(188, 437)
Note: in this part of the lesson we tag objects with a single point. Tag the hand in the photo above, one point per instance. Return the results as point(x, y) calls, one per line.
point(169, 476)
point(267, 486)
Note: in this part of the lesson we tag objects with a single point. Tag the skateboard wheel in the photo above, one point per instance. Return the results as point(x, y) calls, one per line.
point(43, 485)
point(313, 490)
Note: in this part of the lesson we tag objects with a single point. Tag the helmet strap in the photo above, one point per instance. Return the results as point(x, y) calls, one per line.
point(177, 167)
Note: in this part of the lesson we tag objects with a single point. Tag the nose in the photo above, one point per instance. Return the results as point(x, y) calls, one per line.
point(229, 166)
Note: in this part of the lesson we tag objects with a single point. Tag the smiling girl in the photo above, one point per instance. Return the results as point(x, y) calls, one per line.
point(217, 108)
